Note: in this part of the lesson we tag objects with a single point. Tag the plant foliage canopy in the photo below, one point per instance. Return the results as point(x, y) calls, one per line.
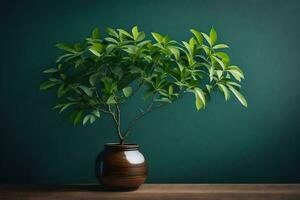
point(98, 75)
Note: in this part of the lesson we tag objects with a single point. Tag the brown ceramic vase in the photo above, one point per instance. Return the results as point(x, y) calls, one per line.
point(121, 167)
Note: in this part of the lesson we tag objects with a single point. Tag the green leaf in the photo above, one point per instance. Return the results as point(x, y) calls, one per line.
point(93, 79)
point(66, 47)
point(225, 58)
point(50, 71)
point(47, 84)
point(96, 113)
point(110, 48)
point(127, 91)
point(213, 36)
point(111, 100)
point(63, 77)
point(78, 46)
point(86, 90)
point(124, 33)
point(131, 49)
point(86, 119)
point(65, 56)
point(58, 106)
point(209, 87)
point(199, 93)
point(112, 40)
point(107, 83)
point(192, 43)
point(199, 103)
point(60, 90)
point(180, 66)
point(112, 32)
point(175, 52)
point(163, 92)
point(198, 36)
point(143, 43)
point(171, 91)
point(233, 83)
point(55, 80)
point(224, 89)
point(187, 46)
point(95, 52)
point(148, 59)
point(207, 38)
point(78, 63)
point(236, 72)
point(220, 46)
point(234, 67)
point(77, 117)
point(211, 71)
point(238, 95)
point(117, 71)
point(166, 39)
point(157, 37)
point(96, 49)
point(96, 33)
point(66, 106)
point(219, 61)
point(163, 99)
point(219, 73)
point(141, 36)
point(206, 49)
point(135, 32)
point(92, 119)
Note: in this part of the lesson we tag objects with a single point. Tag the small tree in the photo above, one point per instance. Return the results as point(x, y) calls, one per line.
point(98, 75)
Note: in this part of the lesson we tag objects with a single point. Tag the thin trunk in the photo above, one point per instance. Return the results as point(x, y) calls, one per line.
point(117, 122)
point(122, 141)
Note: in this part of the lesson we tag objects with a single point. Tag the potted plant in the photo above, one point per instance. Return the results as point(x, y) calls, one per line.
point(97, 76)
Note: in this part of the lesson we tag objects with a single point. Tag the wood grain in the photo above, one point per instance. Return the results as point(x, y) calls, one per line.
point(121, 167)
point(156, 191)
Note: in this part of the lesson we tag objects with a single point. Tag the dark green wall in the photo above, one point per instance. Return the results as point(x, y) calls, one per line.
point(223, 143)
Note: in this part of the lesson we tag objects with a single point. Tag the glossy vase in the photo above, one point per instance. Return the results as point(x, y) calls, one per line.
point(121, 167)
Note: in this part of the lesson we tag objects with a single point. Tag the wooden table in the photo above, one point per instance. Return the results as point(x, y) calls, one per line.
point(156, 191)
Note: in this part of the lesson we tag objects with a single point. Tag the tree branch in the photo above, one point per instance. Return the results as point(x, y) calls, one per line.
point(150, 108)
point(141, 115)
point(104, 111)
point(115, 118)
point(119, 122)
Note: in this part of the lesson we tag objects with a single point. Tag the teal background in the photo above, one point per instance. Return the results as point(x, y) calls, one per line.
point(225, 143)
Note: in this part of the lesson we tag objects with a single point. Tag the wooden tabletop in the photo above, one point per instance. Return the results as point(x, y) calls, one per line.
point(156, 191)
